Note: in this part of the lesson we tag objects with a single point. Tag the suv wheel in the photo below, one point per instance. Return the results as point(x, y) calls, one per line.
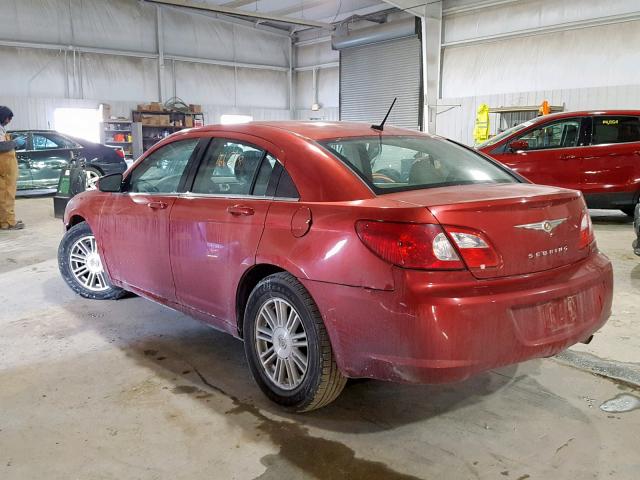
point(288, 347)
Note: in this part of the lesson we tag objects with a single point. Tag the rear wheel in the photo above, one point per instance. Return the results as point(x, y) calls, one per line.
point(288, 347)
point(91, 175)
point(81, 266)
point(629, 210)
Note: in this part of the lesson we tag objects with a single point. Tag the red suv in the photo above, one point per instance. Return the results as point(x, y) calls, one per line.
point(595, 152)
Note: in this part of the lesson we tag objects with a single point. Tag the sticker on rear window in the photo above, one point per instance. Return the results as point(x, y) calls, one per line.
point(611, 121)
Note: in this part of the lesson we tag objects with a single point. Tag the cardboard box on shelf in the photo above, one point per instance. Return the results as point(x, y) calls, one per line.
point(195, 108)
point(188, 121)
point(156, 107)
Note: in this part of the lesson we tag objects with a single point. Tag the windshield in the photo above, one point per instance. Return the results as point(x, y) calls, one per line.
point(505, 134)
point(389, 163)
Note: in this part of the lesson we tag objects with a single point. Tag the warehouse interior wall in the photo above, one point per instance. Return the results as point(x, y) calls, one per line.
point(82, 53)
point(582, 55)
point(325, 60)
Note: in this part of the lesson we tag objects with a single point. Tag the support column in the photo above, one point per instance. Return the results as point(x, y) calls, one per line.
point(160, 40)
point(292, 110)
point(431, 56)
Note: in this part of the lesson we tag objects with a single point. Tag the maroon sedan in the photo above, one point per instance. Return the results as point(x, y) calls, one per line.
point(336, 250)
point(595, 152)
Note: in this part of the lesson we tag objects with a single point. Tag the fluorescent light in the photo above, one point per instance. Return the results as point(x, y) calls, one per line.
point(232, 119)
point(78, 122)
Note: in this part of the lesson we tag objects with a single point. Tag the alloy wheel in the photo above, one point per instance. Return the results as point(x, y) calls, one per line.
point(91, 179)
point(281, 343)
point(86, 264)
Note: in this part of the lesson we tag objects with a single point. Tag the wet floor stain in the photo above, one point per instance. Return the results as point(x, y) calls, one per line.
point(150, 353)
point(621, 403)
point(300, 452)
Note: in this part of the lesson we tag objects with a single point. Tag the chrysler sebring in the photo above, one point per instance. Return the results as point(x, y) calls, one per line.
point(337, 250)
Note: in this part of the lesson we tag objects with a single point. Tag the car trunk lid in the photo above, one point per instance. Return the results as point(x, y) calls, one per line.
point(532, 227)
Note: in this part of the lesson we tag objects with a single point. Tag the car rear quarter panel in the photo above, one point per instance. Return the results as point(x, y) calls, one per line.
point(331, 250)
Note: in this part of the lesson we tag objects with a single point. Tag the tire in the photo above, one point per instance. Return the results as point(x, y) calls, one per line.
point(80, 242)
point(290, 385)
point(92, 175)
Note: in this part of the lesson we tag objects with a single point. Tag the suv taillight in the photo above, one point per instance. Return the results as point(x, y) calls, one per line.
point(120, 153)
point(475, 248)
point(586, 231)
point(410, 245)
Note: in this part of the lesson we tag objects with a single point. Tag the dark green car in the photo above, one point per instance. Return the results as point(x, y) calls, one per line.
point(44, 154)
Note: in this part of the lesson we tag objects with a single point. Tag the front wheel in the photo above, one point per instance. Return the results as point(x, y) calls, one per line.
point(92, 175)
point(81, 266)
point(288, 347)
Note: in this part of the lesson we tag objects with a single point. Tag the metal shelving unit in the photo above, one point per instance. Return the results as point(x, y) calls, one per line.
point(110, 132)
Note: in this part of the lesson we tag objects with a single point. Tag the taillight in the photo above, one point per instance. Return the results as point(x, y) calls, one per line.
point(476, 250)
point(586, 231)
point(120, 153)
point(410, 245)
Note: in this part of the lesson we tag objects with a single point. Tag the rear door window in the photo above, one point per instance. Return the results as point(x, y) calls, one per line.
point(229, 167)
point(615, 129)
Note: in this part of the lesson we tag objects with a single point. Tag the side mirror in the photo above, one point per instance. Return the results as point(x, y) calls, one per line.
point(518, 145)
point(110, 183)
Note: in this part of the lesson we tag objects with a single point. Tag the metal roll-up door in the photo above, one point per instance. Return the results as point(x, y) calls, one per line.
point(372, 75)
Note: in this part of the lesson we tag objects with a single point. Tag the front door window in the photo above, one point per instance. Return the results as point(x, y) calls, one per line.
point(561, 134)
point(162, 171)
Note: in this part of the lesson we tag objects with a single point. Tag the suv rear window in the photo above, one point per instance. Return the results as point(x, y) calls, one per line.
point(395, 163)
point(615, 129)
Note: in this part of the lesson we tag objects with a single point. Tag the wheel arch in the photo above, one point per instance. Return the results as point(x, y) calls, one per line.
point(75, 220)
point(247, 283)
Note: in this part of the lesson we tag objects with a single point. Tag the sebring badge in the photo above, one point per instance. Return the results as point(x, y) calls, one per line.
point(545, 225)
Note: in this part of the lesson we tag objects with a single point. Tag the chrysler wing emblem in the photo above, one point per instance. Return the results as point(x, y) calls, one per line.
point(545, 225)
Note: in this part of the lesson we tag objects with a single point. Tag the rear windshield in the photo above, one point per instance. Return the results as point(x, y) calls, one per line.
point(390, 164)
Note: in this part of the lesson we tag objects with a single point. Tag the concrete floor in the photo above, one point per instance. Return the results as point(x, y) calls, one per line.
point(131, 390)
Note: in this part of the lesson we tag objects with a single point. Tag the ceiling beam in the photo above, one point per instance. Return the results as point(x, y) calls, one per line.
point(415, 7)
point(243, 13)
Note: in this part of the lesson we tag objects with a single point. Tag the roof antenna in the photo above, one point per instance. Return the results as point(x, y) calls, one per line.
point(381, 126)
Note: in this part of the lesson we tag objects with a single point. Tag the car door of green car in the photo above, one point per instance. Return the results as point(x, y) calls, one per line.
point(25, 182)
point(49, 155)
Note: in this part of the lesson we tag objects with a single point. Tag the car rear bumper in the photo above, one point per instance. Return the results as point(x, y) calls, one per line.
point(438, 327)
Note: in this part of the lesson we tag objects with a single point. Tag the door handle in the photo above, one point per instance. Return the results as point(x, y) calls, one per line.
point(637, 152)
point(240, 210)
point(157, 205)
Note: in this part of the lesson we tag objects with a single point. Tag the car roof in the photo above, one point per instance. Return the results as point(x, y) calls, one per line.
point(312, 130)
point(584, 113)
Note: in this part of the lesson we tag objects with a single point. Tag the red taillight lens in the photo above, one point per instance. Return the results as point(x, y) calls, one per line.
point(586, 231)
point(475, 249)
point(120, 152)
point(410, 245)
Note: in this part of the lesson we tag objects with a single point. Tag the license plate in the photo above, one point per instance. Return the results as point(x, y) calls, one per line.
point(559, 314)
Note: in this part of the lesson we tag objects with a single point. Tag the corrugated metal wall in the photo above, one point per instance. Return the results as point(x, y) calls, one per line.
point(581, 65)
point(36, 81)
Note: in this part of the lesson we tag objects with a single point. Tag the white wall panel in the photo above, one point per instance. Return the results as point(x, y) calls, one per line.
point(599, 56)
point(262, 88)
point(529, 14)
point(119, 78)
point(32, 73)
point(328, 94)
point(316, 54)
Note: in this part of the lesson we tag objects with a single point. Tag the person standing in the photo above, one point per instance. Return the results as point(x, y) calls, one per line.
point(8, 175)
